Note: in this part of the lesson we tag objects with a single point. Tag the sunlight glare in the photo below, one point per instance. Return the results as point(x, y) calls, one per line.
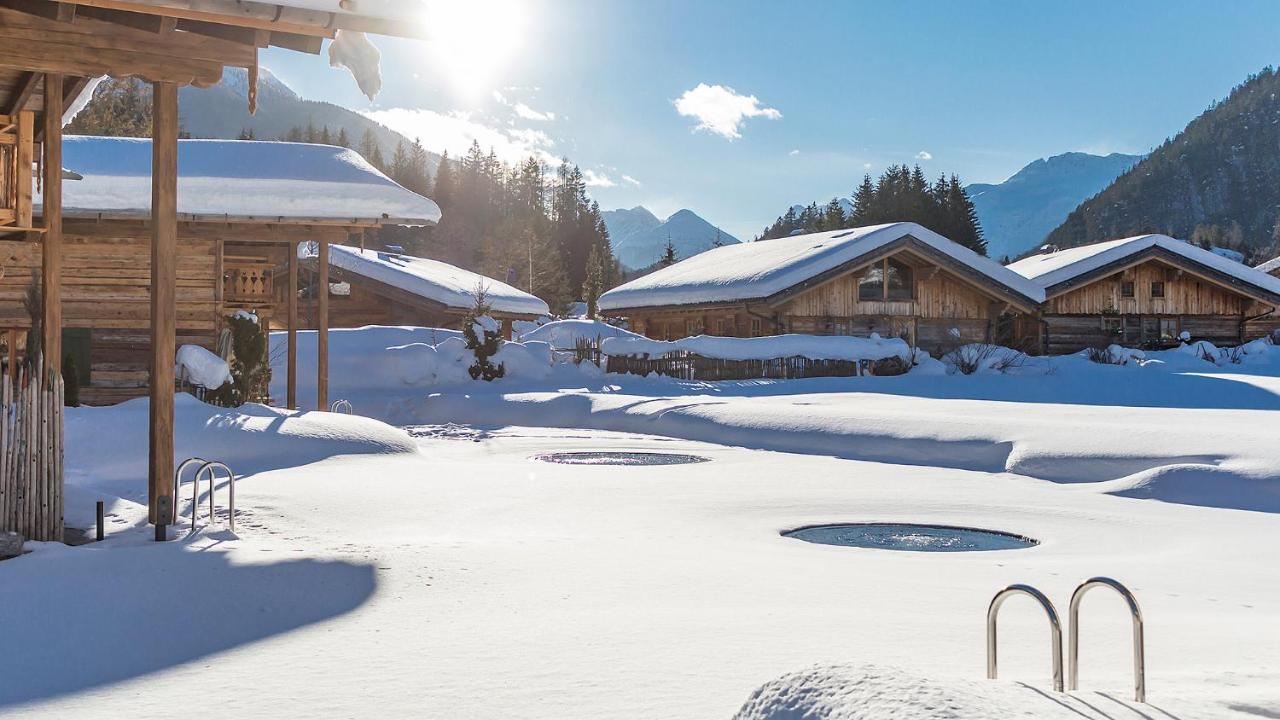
point(473, 41)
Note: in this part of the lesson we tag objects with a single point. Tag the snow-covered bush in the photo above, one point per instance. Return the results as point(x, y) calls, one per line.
point(250, 368)
point(484, 338)
point(1115, 355)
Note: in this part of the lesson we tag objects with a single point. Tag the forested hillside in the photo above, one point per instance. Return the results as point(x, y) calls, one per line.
point(1217, 181)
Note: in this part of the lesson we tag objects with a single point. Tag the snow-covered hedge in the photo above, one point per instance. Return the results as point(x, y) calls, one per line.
point(812, 347)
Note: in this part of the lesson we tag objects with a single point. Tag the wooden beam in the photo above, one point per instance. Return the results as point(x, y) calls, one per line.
point(13, 355)
point(322, 328)
point(242, 35)
point(309, 44)
point(26, 87)
point(156, 24)
point(51, 257)
point(292, 303)
point(268, 16)
point(25, 158)
point(164, 279)
point(56, 11)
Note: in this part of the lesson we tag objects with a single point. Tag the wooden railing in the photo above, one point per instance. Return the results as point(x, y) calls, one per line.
point(247, 282)
point(31, 455)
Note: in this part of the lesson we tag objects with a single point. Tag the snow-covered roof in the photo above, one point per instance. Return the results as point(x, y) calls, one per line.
point(239, 179)
point(756, 270)
point(431, 279)
point(1055, 268)
point(1269, 266)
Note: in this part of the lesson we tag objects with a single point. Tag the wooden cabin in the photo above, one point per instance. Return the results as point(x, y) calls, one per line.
point(48, 51)
point(899, 280)
point(373, 287)
point(244, 208)
point(1147, 291)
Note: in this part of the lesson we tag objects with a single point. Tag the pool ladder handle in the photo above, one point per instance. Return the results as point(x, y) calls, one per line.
point(1055, 632)
point(210, 468)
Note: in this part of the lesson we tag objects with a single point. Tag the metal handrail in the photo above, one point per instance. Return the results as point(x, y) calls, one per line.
point(210, 467)
point(342, 406)
point(177, 483)
point(1055, 629)
point(1073, 633)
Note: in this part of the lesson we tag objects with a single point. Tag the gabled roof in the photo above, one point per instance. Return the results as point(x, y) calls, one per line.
point(238, 179)
point(1269, 266)
point(432, 280)
point(757, 271)
point(1058, 272)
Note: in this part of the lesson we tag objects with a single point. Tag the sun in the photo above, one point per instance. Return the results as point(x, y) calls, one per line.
point(474, 41)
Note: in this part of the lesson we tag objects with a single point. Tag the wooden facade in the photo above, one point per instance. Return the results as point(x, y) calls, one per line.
point(928, 295)
point(1150, 300)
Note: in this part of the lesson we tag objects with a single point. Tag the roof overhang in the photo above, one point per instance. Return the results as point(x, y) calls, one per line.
point(1168, 257)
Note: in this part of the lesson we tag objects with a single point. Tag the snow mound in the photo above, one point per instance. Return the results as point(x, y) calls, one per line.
point(1198, 484)
point(871, 692)
point(250, 439)
point(200, 367)
point(562, 334)
point(813, 347)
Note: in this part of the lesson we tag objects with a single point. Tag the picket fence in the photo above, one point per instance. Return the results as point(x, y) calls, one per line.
point(31, 455)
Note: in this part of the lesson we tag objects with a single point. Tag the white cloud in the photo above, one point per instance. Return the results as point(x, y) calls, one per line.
point(924, 155)
point(595, 179)
point(720, 109)
point(455, 131)
point(630, 180)
point(794, 153)
point(529, 113)
point(866, 166)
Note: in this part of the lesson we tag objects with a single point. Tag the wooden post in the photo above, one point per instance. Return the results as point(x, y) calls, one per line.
point(507, 329)
point(25, 156)
point(164, 280)
point(322, 328)
point(292, 304)
point(13, 355)
point(51, 263)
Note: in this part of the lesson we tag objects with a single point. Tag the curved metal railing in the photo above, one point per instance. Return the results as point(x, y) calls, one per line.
point(210, 468)
point(1055, 629)
point(341, 406)
point(177, 483)
point(1073, 644)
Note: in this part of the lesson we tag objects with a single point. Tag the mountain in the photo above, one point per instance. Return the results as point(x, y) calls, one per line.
point(222, 111)
point(1018, 213)
point(639, 238)
point(1220, 176)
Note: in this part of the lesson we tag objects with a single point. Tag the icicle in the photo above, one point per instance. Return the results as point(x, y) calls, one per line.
point(253, 85)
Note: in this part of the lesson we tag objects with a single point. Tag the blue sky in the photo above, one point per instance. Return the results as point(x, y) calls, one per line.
point(840, 88)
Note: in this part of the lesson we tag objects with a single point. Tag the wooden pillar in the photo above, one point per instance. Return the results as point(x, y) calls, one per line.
point(51, 263)
point(164, 280)
point(292, 304)
point(13, 355)
point(322, 327)
point(507, 329)
point(25, 156)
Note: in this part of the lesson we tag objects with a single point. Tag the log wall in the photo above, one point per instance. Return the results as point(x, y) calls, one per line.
point(1184, 294)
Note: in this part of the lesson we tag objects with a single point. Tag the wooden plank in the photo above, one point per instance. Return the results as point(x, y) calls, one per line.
point(51, 264)
point(309, 44)
point(292, 302)
point(26, 130)
point(164, 240)
point(322, 328)
point(245, 13)
point(56, 11)
point(22, 92)
point(157, 24)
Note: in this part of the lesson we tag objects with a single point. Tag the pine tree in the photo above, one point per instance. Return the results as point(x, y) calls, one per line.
point(119, 108)
point(343, 140)
point(400, 163)
point(443, 194)
point(483, 338)
point(863, 199)
point(325, 138)
point(668, 254)
point(594, 283)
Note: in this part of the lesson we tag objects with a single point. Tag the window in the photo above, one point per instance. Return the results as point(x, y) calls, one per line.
point(886, 280)
point(1111, 325)
point(1126, 289)
point(1169, 330)
point(756, 326)
point(1157, 289)
point(871, 285)
point(723, 327)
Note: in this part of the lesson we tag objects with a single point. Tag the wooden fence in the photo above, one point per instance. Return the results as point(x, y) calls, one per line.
point(31, 455)
point(690, 366)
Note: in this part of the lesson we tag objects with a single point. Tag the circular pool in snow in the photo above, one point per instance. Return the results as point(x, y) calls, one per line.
point(910, 537)
point(619, 457)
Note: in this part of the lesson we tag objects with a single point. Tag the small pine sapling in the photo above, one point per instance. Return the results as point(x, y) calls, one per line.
point(484, 338)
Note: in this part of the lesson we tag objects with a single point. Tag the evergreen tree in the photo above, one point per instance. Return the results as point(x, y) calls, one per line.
point(594, 283)
point(668, 255)
point(483, 338)
point(343, 140)
point(120, 108)
point(399, 163)
point(325, 138)
point(443, 194)
point(247, 134)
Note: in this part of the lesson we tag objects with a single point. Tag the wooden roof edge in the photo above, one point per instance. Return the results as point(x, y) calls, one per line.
point(268, 16)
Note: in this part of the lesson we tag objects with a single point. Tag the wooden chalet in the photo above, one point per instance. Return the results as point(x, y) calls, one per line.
point(1147, 291)
point(899, 279)
point(374, 287)
point(48, 51)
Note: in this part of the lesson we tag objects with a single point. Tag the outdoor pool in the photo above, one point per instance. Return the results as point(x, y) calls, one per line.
point(910, 537)
point(619, 458)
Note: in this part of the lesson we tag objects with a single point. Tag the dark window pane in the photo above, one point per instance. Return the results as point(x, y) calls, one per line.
point(1126, 289)
point(1157, 289)
point(871, 285)
point(900, 285)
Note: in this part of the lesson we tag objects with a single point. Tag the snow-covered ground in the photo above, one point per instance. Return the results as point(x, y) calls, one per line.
point(435, 570)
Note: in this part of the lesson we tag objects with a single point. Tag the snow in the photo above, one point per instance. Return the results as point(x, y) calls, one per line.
point(813, 347)
point(353, 51)
point(1269, 266)
point(81, 100)
point(441, 282)
point(200, 367)
point(1050, 269)
point(436, 570)
point(244, 179)
point(1228, 253)
point(564, 334)
point(754, 270)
